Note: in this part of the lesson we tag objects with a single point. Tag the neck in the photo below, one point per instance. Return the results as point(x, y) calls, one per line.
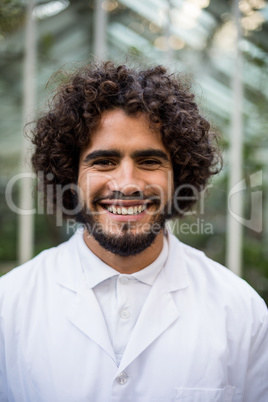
point(126, 265)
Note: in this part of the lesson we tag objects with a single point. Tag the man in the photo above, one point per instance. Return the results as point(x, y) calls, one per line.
point(123, 311)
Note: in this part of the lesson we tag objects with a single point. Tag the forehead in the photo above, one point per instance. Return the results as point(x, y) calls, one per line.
point(118, 129)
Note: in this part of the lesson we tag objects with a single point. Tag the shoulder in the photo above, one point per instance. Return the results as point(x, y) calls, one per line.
point(216, 284)
point(25, 277)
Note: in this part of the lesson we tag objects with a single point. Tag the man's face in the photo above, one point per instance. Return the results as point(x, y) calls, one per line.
point(126, 183)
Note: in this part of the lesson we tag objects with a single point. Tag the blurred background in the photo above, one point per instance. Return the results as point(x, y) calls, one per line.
point(222, 46)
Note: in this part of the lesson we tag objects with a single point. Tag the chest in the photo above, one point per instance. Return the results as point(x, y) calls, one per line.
point(57, 358)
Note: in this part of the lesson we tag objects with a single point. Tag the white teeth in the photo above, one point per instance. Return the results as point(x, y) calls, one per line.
point(126, 211)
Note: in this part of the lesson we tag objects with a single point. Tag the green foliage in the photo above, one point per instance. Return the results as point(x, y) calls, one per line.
point(45, 45)
point(11, 15)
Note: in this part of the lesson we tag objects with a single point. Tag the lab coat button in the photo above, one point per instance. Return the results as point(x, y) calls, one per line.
point(125, 314)
point(122, 378)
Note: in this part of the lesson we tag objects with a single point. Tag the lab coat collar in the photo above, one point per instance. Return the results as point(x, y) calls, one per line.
point(175, 271)
point(96, 271)
point(150, 273)
point(68, 269)
point(159, 309)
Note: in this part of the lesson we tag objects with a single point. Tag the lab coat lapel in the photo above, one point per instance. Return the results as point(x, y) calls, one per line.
point(160, 309)
point(82, 308)
point(87, 316)
point(158, 313)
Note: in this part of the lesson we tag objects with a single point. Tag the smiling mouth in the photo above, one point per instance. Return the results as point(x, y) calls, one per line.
point(133, 210)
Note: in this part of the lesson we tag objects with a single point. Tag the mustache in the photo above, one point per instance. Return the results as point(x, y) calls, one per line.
point(137, 195)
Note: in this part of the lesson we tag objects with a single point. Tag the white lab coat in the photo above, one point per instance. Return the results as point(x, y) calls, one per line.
point(201, 337)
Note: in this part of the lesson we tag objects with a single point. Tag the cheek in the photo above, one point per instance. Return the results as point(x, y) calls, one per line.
point(89, 184)
point(161, 184)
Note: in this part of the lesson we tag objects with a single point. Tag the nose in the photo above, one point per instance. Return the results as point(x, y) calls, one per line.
point(127, 179)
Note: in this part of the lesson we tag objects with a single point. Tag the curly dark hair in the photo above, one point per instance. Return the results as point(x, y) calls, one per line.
point(78, 104)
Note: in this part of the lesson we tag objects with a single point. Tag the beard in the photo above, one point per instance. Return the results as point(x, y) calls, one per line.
point(125, 243)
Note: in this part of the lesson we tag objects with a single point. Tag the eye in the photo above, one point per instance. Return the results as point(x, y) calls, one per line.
point(103, 163)
point(150, 163)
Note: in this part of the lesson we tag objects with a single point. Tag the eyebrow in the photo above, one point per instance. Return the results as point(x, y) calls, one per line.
point(106, 153)
point(143, 153)
point(147, 153)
